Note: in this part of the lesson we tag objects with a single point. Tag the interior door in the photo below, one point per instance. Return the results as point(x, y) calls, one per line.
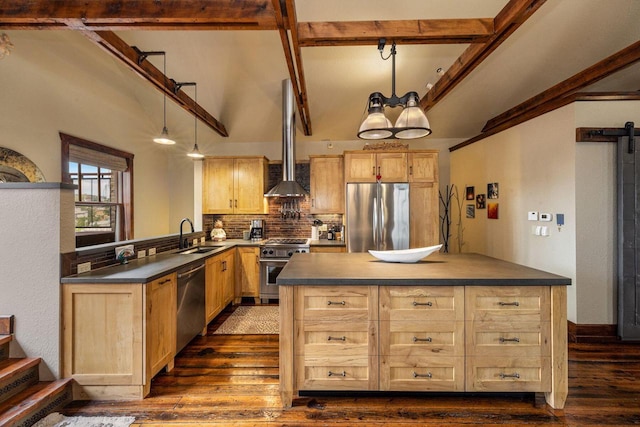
point(628, 235)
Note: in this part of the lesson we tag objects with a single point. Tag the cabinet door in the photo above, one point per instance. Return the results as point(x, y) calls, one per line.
point(228, 283)
point(161, 323)
point(327, 185)
point(249, 183)
point(423, 214)
point(213, 287)
point(217, 185)
point(360, 167)
point(249, 271)
point(392, 167)
point(423, 167)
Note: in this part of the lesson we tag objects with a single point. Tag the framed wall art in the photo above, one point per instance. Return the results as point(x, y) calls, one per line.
point(492, 190)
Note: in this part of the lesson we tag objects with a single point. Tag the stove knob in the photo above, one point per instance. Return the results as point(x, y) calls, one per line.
point(270, 251)
point(290, 253)
point(302, 251)
point(264, 252)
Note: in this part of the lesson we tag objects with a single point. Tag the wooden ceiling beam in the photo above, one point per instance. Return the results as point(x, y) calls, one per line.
point(117, 47)
point(581, 80)
point(285, 17)
point(433, 31)
point(514, 14)
point(140, 14)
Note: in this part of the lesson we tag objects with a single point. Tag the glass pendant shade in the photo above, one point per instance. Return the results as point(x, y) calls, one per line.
point(164, 138)
point(412, 122)
point(375, 125)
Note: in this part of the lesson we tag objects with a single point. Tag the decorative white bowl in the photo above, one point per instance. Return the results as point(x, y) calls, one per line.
point(405, 255)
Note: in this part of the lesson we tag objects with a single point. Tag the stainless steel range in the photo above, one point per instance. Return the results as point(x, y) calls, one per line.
point(274, 255)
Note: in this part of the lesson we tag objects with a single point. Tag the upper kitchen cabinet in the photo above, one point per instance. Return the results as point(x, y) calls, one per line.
point(365, 166)
point(327, 184)
point(234, 185)
point(423, 166)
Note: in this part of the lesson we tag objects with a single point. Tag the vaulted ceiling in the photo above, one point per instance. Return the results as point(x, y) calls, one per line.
point(501, 61)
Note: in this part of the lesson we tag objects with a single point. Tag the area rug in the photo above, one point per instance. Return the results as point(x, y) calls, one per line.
point(251, 320)
point(59, 420)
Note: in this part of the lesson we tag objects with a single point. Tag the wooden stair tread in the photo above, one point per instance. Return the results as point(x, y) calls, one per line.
point(41, 396)
point(5, 339)
point(12, 367)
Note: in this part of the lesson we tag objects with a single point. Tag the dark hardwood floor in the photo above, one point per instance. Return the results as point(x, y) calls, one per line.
point(223, 380)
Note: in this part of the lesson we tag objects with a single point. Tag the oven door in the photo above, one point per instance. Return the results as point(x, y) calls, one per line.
point(269, 270)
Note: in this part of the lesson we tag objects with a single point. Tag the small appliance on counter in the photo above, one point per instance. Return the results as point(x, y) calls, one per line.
point(257, 229)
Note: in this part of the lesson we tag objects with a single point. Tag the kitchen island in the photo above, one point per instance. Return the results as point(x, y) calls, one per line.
point(451, 322)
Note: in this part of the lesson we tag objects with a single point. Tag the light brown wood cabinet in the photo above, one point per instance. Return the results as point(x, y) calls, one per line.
point(327, 184)
point(327, 249)
point(219, 283)
point(234, 185)
point(364, 166)
point(248, 273)
point(116, 337)
point(508, 343)
point(423, 338)
point(337, 347)
point(424, 214)
point(423, 166)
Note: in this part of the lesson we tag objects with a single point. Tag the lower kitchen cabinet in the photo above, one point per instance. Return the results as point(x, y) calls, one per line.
point(423, 338)
point(248, 273)
point(219, 283)
point(327, 249)
point(116, 337)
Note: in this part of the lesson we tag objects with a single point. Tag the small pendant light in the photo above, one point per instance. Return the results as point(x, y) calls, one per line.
point(164, 138)
point(195, 153)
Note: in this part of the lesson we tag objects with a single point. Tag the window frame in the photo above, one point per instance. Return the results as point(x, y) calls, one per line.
point(126, 186)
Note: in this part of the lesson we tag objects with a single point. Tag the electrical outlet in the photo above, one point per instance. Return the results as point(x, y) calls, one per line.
point(323, 227)
point(142, 254)
point(84, 267)
point(202, 239)
point(195, 242)
point(152, 251)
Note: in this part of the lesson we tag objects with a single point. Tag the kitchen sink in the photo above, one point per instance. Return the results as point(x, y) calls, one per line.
point(200, 250)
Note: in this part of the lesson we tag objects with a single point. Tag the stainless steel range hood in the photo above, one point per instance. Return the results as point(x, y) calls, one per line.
point(288, 187)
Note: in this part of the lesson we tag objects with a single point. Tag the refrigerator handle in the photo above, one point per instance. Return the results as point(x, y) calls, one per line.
point(375, 222)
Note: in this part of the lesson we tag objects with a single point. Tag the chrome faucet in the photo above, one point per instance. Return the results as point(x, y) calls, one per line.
point(185, 243)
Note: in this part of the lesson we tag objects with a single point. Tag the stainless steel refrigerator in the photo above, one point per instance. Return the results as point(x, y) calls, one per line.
point(377, 216)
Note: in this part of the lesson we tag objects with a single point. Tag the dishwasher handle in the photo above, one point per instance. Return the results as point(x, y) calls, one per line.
point(189, 272)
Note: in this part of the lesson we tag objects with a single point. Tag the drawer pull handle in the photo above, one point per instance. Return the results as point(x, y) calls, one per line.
point(164, 281)
point(416, 339)
point(515, 303)
point(503, 376)
point(339, 374)
point(515, 339)
point(336, 303)
point(336, 338)
point(427, 375)
point(428, 303)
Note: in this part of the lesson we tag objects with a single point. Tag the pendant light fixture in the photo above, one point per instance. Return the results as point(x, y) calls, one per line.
point(412, 122)
point(195, 153)
point(164, 138)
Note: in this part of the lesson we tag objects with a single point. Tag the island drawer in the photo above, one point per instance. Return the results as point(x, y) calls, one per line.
point(510, 304)
point(523, 339)
point(326, 339)
point(345, 303)
point(421, 373)
point(337, 373)
point(506, 374)
point(405, 338)
point(421, 303)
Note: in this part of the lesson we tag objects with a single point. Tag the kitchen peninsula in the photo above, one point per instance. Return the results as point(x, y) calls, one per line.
point(451, 322)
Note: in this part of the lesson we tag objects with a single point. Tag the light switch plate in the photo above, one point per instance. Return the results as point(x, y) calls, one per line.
point(532, 216)
point(545, 217)
point(142, 254)
point(152, 251)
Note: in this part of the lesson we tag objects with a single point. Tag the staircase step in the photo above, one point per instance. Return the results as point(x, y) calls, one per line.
point(16, 375)
point(36, 402)
point(4, 346)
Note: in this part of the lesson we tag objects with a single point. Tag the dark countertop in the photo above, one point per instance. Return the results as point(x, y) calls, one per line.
point(437, 269)
point(144, 270)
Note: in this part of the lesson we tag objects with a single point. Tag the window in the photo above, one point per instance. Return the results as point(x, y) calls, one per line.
point(103, 199)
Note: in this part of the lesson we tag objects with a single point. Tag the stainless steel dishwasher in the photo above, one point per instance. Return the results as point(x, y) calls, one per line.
point(191, 309)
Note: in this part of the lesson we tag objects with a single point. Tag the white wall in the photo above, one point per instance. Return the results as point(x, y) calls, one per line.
point(533, 163)
point(35, 226)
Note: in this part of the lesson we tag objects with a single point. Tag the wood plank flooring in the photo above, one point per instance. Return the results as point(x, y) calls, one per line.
point(221, 380)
